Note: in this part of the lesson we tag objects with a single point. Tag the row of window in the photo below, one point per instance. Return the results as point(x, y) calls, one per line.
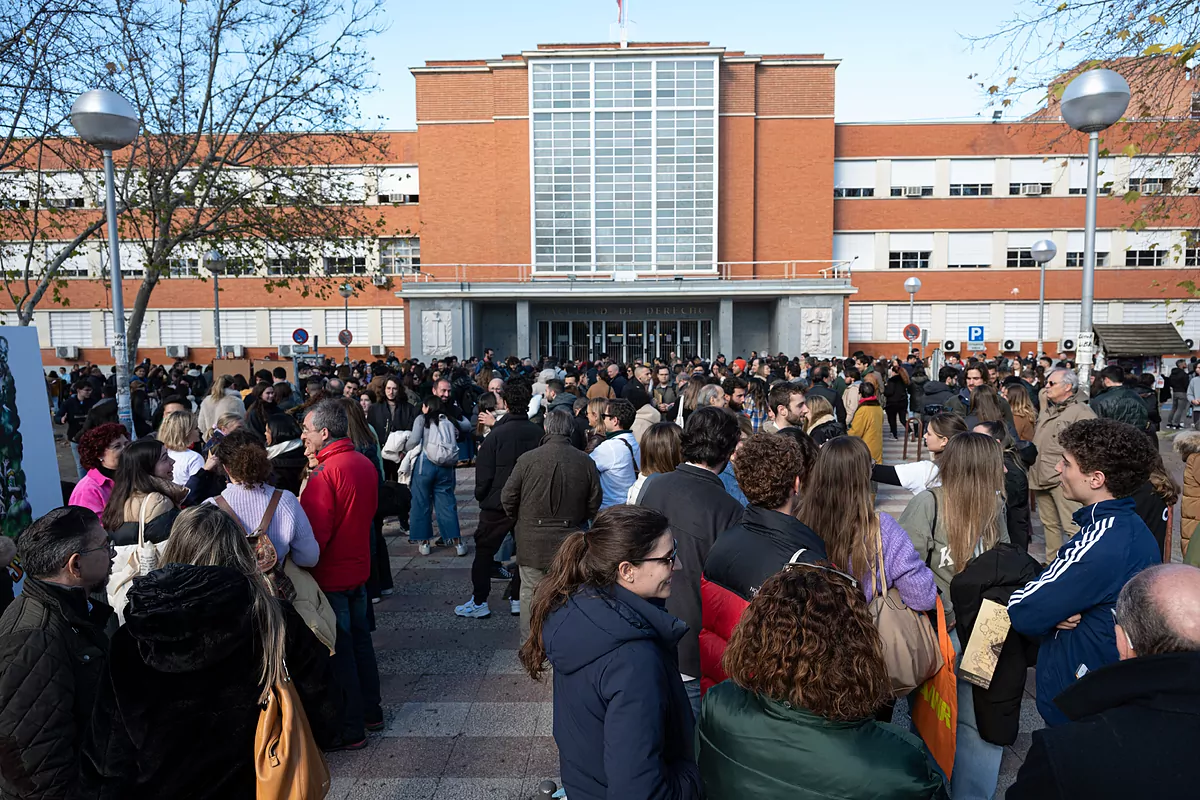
point(984, 249)
point(395, 257)
point(238, 327)
point(334, 186)
point(1027, 177)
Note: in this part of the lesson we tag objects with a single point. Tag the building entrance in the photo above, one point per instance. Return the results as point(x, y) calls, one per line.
point(626, 340)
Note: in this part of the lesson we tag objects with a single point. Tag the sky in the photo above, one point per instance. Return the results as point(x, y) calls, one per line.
point(900, 61)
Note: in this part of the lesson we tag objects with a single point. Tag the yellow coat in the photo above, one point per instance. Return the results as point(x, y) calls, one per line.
point(868, 426)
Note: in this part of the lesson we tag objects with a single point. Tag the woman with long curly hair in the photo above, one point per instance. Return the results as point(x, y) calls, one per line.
point(806, 675)
point(598, 618)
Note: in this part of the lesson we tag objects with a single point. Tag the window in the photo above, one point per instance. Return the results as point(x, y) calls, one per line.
point(398, 256)
point(398, 199)
point(969, 250)
point(179, 328)
point(240, 327)
point(1027, 173)
point(853, 178)
point(288, 264)
point(1150, 185)
point(970, 189)
point(912, 178)
point(1021, 321)
point(108, 329)
point(133, 260)
point(70, 328)
point(183, 267)
point(1145, 313)
point(393, 327)
point(345, 265)
point(972, 177)
point(898, 317)
point(1071, 314)
point(961, 316)
point(862, 322)
point(909, 259)
point(335, 322)
point(63, 190)
point(283, 322)
point(1020, 257)
point(855, 249)
point(1195, 110)
point(1075, 248)
point(1077, 173)
point(1145, 258)
point(399, 185)
point(624, 164)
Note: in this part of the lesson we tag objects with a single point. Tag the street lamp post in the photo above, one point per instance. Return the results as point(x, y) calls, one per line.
point(1043, 252)
point(216, 265)
point(912, 286)
point(107, 121)
point(346, 291)
point(1092, 102)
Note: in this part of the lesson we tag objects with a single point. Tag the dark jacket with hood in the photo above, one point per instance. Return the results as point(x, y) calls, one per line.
point(937, 393)
point(1122, 404)
point(740, 560)
point(177, 710)
point(512, 436)
point(552, 491)
point(1133, 732)
point(52, 654)
point(566, 402)
point(622, 721)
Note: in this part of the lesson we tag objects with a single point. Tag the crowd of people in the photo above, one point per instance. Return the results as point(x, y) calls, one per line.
point(699, 561)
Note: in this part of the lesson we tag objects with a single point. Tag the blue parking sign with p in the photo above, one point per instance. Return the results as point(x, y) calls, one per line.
point(975, 333)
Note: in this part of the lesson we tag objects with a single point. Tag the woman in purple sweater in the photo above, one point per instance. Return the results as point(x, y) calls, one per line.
point(852, 529)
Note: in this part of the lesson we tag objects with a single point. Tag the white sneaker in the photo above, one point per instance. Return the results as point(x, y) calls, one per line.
point(469, 609)
point(514, 607)
point(423, 548)
point(460, 549)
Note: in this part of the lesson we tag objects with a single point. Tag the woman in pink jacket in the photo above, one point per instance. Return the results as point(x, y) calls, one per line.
point(99, 452)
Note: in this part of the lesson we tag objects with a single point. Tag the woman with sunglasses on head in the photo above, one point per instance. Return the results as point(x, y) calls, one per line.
point(807, 674)
point(622, 721)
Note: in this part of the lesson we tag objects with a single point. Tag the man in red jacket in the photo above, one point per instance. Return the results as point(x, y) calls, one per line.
point(340, 501)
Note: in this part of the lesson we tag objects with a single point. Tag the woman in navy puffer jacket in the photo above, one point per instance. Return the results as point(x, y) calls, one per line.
point(622, 721)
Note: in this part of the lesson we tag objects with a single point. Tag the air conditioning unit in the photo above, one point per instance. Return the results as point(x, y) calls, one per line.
point(285, 351)
point(950, 346)
point(914, 191)
point(379, 280)
point(378, 350)
point(1031, 189)
point(68, 353)
point(1191, 344)
point(233, 350)
point(1152, 188)
point(1066, 346)
point(177, 351)
point(1010, 344)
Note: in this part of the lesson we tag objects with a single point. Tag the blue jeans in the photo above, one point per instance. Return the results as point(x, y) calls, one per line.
point(976, 762)
point(693, 694)
point(353, 663)
point(75, 454)
point(432, 491)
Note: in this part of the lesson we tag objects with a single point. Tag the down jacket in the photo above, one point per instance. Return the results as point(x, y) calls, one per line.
point(1188, 447)
point(52, 655)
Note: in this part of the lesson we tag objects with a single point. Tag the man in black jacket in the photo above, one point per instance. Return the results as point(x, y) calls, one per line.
point(53, 649)
point(74, 413)
point(820, 388)
point(1143, 711)
point(695, 502)
point(511, 437)
point(1178, 383)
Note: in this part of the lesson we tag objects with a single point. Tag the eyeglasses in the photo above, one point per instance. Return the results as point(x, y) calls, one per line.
point(109, 546)
point(1049, 384)
point(669, 558)
point(838, 572)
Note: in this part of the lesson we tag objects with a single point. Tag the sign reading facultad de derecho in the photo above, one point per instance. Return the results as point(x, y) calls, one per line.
point(616, 311)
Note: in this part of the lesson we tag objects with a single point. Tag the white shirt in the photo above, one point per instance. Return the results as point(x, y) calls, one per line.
point(917, 476)
point(187, 464)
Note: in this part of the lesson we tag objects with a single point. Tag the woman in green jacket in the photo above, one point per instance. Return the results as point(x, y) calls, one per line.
point(795, 719)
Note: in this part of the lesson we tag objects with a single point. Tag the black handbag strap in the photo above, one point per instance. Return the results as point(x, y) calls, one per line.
point(933, 531)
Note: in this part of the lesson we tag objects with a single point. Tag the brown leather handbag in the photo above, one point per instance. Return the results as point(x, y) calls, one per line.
point(287, 761)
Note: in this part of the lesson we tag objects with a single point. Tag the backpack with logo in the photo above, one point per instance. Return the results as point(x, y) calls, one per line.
point(441, 446)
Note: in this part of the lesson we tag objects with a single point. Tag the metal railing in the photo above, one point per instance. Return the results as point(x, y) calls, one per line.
point(725, 270)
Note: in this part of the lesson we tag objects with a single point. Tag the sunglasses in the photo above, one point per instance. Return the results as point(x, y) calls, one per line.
point(669, 558)
point(853, 581)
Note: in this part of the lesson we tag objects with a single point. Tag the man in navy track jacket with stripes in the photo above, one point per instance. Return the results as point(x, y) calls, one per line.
point(1070, 604)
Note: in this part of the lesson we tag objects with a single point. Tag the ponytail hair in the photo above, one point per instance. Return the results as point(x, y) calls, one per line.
point(619, 534)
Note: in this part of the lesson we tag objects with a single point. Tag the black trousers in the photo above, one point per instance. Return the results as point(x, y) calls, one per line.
point(493, 527)
point(896, 417)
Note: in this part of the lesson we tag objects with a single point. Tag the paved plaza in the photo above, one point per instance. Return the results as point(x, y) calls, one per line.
point(464, 722)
